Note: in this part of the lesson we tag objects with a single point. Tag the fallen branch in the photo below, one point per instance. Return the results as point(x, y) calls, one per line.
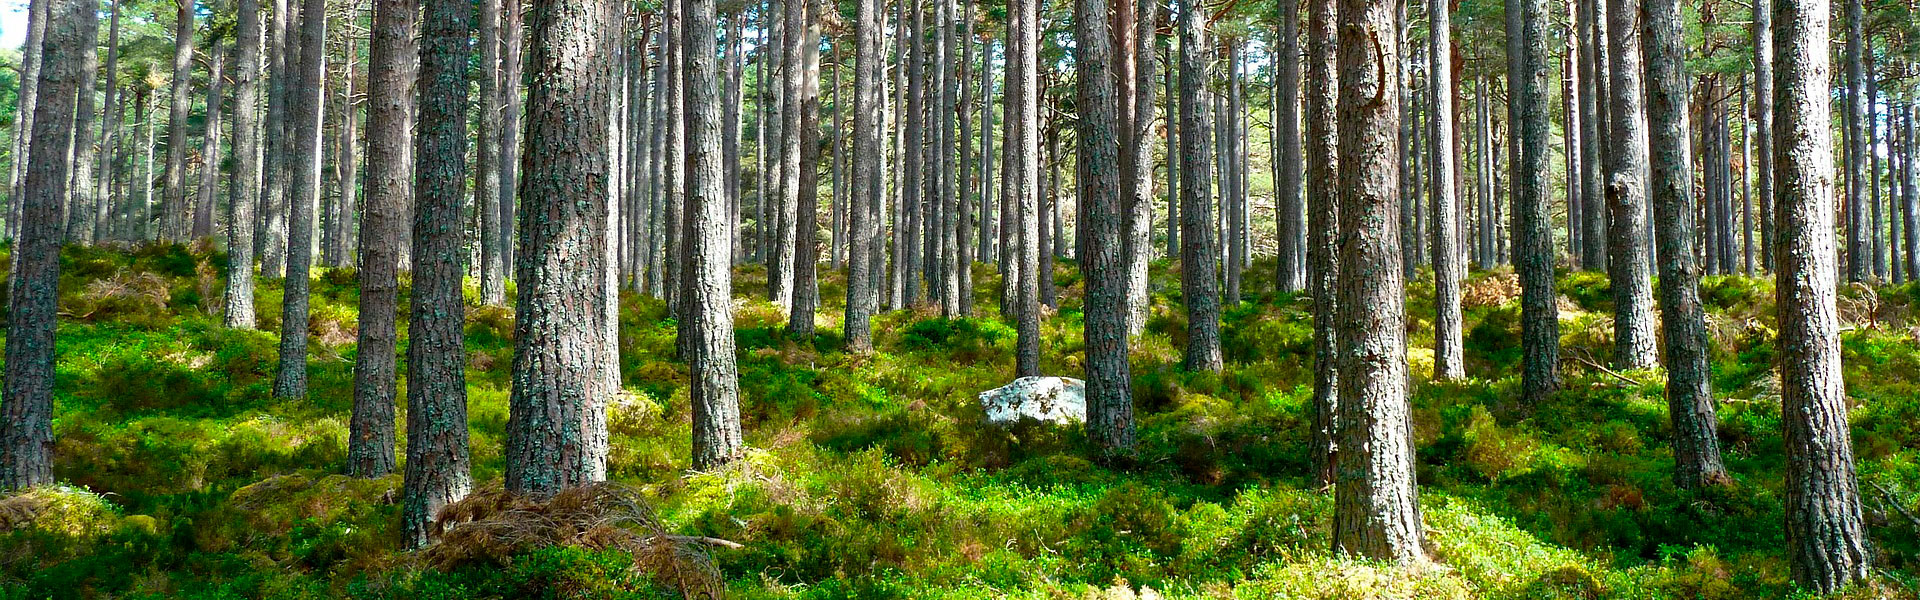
point(1887, 497)
point(710, 541)
point(1590, 363)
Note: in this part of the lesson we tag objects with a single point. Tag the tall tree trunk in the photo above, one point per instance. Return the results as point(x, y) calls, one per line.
point(210, 142)
point(1826, 536)
point(715, 380)
point(175, 217)
point(391, 68)
point(1626, 160)
point(1591, 24)
point(238, 307)
point(1233, 199)
point(1023, 150)
point(1290, 213)
point(307, 104)
point(346, 175)
point(1109, 399)
point(437, 463)
point(1910, 212)
point(1448, 354)
point(1376, 514)
point(863, 296)
point(730, 126)
point(806, 228)
point(557, 430)
point(1855, 115)
point(26, 101)
point(989, 249)
point(962, 245)
point(1877, 225)
point(80, 190)
point(512, 35)
point(1323, 222)
point(1763, 123)
point(1170, 82)
point(1532, 219)
point(26, 431)
point(1198, 282)
point(780, 270)
point(272, 220)
point(101, 226)
point(486, 160)
point(1690, 402)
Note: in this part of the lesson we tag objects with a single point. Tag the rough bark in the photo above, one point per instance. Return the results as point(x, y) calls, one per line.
point(1593, 71)
point(176, 215)
point(715, 390)
point(25, 101)
point(1532, 215)
point(26, 431)
point(512, 37)
point(1763, 123)
point(1023, 94)
point(806, 225)
point(1323, 210)
point(780, 270)
point(238, 305)
point(1448, 353)
point(1826, 536)
point(1109, 399)
point(101, 226)
point(1855, 116)
point(557, 427)
point(1376, 514)
point(437, 462)
point(863, 296)
point(305, 112)
point(1290, 213)
point(1626, 160)
point(1690, 404)
point(271, 223)
point(486, 160)
point(390, 81)
point(1198, 282)
point(80, 190)
point(1135, 84)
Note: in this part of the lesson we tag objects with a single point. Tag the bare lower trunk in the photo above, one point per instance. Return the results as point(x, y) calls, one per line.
point(1626, 159)
point(239, 311)
point(1198, 256)
point(715, 391)
point(1323, 209)
point(1109, 399)
point(1448, 355)
point(306, 107)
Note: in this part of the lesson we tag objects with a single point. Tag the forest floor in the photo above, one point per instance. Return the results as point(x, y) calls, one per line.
point(873, 477)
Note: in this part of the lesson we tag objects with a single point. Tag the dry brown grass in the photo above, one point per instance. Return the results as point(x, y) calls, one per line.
point(490, 526)
point(1494, 289)
point(124, 292)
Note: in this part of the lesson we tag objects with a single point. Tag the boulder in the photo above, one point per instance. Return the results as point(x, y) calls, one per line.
point(1046, 399)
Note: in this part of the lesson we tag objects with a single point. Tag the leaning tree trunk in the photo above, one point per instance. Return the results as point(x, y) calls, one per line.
point(715, 389)
point(1198, 281)
point(303, 194)
point(1109, 400)
point(1626, 160)
point(1826, 537)
point(437, 463)
point(1323, 210)
point(1690, 402)
point(246, 166)
point(26, 431)
point(390, 85)
point(863, 296)
point(1376, 512)
point(174, 217)
point(1448, 353)
point(557, 429)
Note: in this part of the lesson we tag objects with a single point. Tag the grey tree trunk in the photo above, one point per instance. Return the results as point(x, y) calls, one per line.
point(1690, 404)
point(511, 38)
point(486, 161)
point(238, 307)
point(1763, 123)
point(1198, 282)
point(1376, 511)
point(863, 296)
point(1137, 161)
point(1023, 149)
point(1855, 116)
point(1234, 199)
point(1826, 536)
point(964, 202)
point(176, 215)
point(391, 68)
point(26, 102)
point(1448, 353)
point(1290, 212)
point(780, 270)
point(1323, 222)
point(305, 112)
point(557, 427)
point(437, 462)
point(1626, 160)
point(271, 223)
point(26, 431)
point(1532, 214)
point(101, 226)
point(806, 225)
point(1109, 398)
point(210, 139)
point(1593, 132)
point(80, 190)
point(715, 390)
point(730, 126)
point(1910, 212)
point(913, 176)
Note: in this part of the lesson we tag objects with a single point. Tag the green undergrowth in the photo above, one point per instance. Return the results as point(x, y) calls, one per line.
point(871, 476)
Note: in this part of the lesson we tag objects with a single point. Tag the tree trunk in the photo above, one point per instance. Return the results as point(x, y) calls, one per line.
point(1690, 402)
point(175, 217)
point(210, 141)
point(25, 101)
point(80, 190)
point(1910, 213)
point(245, 197)
point(557, 432)
point(1109, 399)
point(863, 297)
point(1234, 199)
point(1198, 282)
point(100, 227)
point(964, 203)
point(486, 161)
point(1825, 533)
point(1626, 160)
point(1763, 123)
point(1323, 210)
point(1855, 115)
point(26, 431)
point(391, 69)
point(1376, 514)
point(1290, 214)
point(1593, 133)
point(1134, 31)
point(437, 463)
point(1448, 354)
point(780, 270)
point(307, 104)
point(730, 127)
point(511, 38)
point(1532, 218)
point(715, 390)
point(806, 255)
point(1023, 149)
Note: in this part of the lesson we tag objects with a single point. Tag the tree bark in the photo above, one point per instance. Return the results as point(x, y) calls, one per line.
point(175, 218)
point(715, 389)
point(26, 101)
point(1855, 116)
point(1763, 123)
point(390, 80)
point(557, 427)
point(486, 161)
point(1023, 94)
point(1323, 222)
point(26, 431)
point(1626, 160)
point(863, 296)
point(1198, 282)
point(1826, 536)
point(1448, 353)
point(1109, 399)
point(238, 307)
point(437, 462)
point(1290, 213)
point(1376, 514)
point(1532, 218)
point(512, 36)
point(306, 107)
point(1593, 133)
point(806, 255)
point(780, 270)
point(1690, 404)
point(80, 191)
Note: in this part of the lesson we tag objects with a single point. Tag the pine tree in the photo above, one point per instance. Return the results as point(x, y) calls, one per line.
point(303, 194)
point(1198, 282)
point(1626, 160)
point(238, 308)
point(175, 215)
point(1448, 353)
point(1323, 210)
point(1109, 399)
point(715, 389)
point(391, 69)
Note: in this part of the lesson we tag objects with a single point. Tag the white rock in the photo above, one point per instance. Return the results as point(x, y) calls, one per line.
point(1048, 399)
